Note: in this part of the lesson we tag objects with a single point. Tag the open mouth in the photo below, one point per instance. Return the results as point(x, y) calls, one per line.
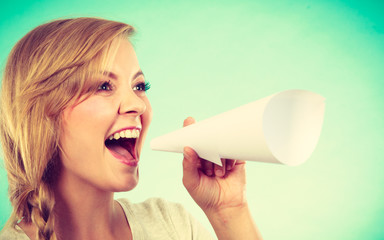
point(123, 144)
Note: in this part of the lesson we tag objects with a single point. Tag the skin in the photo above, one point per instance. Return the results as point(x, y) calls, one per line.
point(220, 194)
point(90, 174)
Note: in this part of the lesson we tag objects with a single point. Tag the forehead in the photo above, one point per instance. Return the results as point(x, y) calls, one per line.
point(122, 60)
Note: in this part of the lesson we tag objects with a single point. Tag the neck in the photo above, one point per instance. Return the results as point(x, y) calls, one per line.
point(85, 212)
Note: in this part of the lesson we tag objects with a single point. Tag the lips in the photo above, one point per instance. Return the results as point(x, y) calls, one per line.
point(122, 145)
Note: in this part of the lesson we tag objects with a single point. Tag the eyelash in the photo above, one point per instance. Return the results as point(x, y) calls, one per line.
point(143, 86)
point(107, 86)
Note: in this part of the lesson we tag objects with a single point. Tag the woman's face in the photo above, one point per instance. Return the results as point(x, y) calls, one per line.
point(102, 136)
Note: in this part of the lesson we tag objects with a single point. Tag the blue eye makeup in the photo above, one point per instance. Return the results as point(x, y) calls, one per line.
point(144, 86)
point(108, 86)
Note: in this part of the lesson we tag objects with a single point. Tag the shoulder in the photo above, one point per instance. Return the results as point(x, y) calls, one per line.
point(155, 207)
point(149, 203)
point(160, 217)
point(12, 233)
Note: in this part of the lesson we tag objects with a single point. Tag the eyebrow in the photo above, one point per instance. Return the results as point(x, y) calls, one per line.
point(114, 76)
point(138, 74)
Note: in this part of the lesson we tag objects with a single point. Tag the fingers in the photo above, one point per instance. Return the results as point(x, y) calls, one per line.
point(210, 169)
point(230, 164)
point(207, 167)
point(220, 170)
point(188, 121)
point(191, 164)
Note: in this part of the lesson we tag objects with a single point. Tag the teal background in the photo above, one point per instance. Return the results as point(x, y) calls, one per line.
point(206, 57)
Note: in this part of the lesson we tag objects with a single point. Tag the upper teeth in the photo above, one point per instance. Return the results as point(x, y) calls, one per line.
point(129, 133)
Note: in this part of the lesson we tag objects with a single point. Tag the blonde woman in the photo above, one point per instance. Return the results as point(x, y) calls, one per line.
point(74, 115)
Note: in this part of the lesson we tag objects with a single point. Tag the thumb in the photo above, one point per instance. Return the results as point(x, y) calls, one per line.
point(191, 176)
point(188, 121)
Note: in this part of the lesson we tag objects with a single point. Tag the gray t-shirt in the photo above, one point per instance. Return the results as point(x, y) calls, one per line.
point(154, 218)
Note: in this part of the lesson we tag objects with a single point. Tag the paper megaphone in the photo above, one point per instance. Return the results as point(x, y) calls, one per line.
point(282, 128)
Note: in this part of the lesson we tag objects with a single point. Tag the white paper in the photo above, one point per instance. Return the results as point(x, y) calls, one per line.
point(282, 128)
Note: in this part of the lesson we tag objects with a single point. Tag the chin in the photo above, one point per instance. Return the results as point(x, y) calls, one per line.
point(127, 183)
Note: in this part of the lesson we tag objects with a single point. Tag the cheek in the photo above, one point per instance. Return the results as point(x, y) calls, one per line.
point(85, 126)
point(146, 119)
point(148, 113)
point(88, 116)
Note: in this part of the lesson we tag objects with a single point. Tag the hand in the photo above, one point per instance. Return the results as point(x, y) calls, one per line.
point(220, 192)
point(213, 188)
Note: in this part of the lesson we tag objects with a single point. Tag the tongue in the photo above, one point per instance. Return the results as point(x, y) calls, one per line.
point(116, 148)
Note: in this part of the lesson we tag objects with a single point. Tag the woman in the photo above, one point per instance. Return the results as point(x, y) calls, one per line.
point(74, 116)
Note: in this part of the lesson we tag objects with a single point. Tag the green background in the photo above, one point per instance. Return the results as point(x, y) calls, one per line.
point(206, 57)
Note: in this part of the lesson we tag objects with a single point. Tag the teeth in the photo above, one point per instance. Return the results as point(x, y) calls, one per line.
point(116, 136)
point(135, 133)
point(122, 134)
point(128, 133)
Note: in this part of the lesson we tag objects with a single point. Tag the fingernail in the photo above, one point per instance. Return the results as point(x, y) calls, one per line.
point(219, 172)
point(229, 167)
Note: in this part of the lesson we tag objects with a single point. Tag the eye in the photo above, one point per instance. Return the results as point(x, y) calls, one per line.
point(105, 86)
point(142, 87)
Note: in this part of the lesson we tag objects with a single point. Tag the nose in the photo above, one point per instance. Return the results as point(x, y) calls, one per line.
point(131, 104)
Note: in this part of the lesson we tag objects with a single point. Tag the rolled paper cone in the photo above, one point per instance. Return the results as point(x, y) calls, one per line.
point(282, 128)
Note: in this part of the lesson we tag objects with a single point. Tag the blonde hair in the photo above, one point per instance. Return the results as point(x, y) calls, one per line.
point(47, 71)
